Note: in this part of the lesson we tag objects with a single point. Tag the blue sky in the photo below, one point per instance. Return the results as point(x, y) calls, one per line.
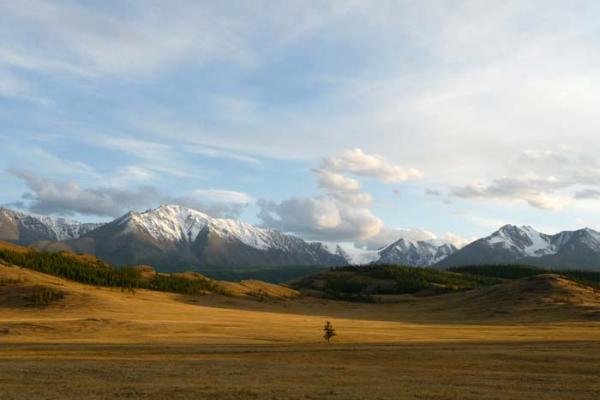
point(347, 121)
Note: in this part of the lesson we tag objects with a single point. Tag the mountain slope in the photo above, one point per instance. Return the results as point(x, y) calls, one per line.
point(574, 250)
point(415, 253)
point(25, 229)
point(22, 267)
point(174, 238)
point(544, 297)
point(523, 245)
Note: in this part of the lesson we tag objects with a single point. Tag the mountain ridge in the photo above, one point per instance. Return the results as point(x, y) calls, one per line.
point(578, 249)
point(415, 252)
point(176, 238)
point(24, 228)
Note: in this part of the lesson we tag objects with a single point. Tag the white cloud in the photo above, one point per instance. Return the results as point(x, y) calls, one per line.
point(136, 147)
point(531, 190)
point(220, 153)
point(302, 214)
point(588, 194)
point(51, 196)
point(463, 105)
point(156, 159)
point(574, 176)
point(130, 175)
point(433, 192)
point(334, 182)
point(544, 202)
point(13, 86)
point(90, 41)
point(359, 163)
point(223, 196)
point(320, 218)
point(488, 223)
point(453, 91)
point(458, 241)
point(344, 213)
point(388, 236)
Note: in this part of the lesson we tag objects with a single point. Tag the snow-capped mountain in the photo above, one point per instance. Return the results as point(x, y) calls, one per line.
point(513, 244)
point(172, 223)
point(173, 238)
point(354, 256)
point(404, 251)
point(21, 228)
point(524, 241)
point(421, 253)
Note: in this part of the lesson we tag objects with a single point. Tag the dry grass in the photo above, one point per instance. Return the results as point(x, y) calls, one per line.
point(12, 247)
point(101, 343)
point(523, 370)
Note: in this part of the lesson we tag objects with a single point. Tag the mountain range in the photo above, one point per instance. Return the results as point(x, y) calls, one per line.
point(511, 244)
point(176, 238)
point(415, 252)
point(172, 237)
point(21, 228)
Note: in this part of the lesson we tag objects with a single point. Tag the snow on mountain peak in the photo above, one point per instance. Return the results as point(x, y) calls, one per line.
point(589, 237)
point(177, 223)
point(171, 223)
point(415, 252)
point(524, 239)
point(55, 228)
point(351, 254)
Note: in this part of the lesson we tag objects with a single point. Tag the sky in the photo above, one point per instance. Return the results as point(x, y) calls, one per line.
point(341, 121)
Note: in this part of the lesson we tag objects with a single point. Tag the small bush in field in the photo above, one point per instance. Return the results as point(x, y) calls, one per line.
point(329, 331)
point(44, 296)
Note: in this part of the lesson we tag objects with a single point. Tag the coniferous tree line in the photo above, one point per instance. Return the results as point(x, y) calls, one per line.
point(364, 283)
point(393, 279)
point(98, 273)
point(589, 278)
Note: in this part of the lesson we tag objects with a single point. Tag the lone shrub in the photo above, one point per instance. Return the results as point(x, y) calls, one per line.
point(329, 332)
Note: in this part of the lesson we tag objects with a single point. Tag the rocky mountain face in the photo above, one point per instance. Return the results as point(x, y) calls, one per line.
point(25, 229)
point(175, 238)
point(421, 253)
point(511, 244)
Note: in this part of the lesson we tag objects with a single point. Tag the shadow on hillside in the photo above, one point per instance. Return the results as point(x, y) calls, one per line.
point(540, 299)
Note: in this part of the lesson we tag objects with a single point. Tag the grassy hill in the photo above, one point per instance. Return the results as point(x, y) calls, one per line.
point(589, 278)
point(362, 283)
point(101, 342)
point(353, 283)
point(267, 274)
point(92, 271)
point(375, 282)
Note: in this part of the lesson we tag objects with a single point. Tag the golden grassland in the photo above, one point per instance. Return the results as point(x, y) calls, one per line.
point(532, 339)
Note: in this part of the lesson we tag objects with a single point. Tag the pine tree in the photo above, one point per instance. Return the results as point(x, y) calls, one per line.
point(329, 331)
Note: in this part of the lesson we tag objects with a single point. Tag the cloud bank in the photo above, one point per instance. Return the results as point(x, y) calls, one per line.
point(496, 102)
point(545, 179)
point(51, 196)
point(343, 212)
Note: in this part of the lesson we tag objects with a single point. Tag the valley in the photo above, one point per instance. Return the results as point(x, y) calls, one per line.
point(527, 338)
point(76, 324)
